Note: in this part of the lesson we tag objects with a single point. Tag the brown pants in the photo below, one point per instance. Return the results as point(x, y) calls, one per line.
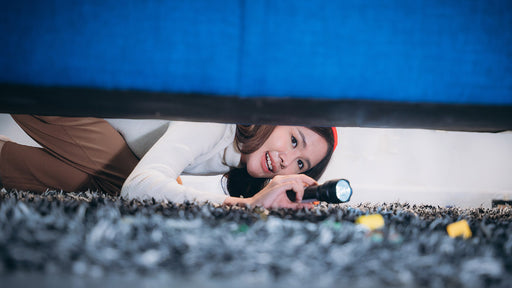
point(78, 154)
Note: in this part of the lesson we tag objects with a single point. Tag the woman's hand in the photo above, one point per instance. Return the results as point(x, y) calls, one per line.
point(274, 194)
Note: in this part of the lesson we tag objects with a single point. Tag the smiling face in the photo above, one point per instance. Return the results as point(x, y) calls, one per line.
point(288, 150)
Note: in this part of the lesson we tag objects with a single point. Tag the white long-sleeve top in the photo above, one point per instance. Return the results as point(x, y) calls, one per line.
point(168, 149)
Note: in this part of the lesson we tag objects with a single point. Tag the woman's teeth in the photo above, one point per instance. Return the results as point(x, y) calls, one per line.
point(269, 163)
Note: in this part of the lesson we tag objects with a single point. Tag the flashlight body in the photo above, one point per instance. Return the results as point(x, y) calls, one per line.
point(326, 192)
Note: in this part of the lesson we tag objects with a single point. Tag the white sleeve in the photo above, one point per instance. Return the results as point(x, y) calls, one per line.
point(155, 175)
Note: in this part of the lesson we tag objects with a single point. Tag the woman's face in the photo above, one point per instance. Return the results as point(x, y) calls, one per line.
point(288, 150)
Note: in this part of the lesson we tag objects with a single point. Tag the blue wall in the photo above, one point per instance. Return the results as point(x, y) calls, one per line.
point(447, 51)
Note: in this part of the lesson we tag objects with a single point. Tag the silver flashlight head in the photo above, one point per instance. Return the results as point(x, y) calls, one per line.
point(343, 190)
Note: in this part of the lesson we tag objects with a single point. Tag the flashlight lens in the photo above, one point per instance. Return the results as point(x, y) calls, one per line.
point(343, 190)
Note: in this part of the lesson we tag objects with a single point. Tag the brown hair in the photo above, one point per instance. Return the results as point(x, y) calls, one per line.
point(250, 138)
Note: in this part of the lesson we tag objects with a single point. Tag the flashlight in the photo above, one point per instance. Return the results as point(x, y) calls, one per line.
point(333, 191)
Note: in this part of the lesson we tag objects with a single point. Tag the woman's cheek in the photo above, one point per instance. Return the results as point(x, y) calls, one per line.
point(252, 168)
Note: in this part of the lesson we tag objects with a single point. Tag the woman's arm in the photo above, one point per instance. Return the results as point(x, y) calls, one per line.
point(182, 144)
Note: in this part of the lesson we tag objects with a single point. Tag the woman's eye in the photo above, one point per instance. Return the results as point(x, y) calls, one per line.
point(294, 142)
point(301, 164)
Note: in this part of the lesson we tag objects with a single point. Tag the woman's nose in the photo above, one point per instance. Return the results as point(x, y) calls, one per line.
point(287, 157)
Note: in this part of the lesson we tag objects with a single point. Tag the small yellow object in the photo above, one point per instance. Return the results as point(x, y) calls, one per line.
point(460, 228)
point(372, 222)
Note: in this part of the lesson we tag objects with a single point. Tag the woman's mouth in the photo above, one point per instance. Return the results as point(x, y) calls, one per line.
point(269, 162)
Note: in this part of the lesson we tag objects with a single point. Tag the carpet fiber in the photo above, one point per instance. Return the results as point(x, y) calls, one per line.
point(93, 236)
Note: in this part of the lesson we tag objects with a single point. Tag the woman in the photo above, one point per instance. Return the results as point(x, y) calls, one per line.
point(89, 153)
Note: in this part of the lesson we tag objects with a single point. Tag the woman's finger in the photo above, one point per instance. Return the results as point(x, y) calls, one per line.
point(298, 188)
point(300, 178)
point(308, 180)
point(275, 194)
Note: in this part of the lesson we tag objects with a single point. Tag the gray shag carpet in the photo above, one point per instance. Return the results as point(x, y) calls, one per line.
point(60, 239)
